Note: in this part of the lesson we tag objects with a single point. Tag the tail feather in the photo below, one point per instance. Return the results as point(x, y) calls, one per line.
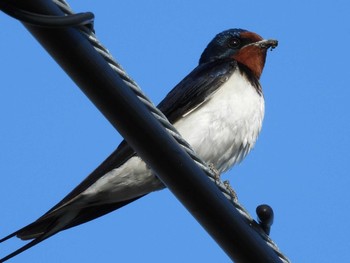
point(8, 237)
point(58, 220)
point(32, 243)
point(24, 248)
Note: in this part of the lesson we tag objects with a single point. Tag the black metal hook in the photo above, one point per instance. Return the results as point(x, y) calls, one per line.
point(265, 217)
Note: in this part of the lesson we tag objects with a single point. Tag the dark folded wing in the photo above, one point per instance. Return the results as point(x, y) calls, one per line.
point(196, 88)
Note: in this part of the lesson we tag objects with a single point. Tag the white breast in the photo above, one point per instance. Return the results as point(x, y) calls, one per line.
point(222, 131)
point(225, 128)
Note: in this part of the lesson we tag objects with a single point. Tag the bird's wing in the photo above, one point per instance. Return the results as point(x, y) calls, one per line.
point(195, 89)
point(192, 91)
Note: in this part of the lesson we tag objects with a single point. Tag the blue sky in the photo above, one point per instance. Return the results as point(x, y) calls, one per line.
point(51, 136)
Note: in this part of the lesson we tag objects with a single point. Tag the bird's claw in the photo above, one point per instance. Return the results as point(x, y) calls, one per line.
point(230, 189)
point(215, 172)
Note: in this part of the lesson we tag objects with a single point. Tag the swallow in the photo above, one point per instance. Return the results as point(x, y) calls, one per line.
point(218, 108)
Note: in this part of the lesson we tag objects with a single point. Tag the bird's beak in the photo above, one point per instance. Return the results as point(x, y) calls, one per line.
point(265, 44)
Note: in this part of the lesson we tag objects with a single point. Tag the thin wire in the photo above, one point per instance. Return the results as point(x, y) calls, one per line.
point(223, 186)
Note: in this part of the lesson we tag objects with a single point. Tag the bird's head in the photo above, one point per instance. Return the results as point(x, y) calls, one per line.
point(245, 47)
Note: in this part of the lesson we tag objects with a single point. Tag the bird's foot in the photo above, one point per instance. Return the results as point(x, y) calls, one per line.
point(215, 172)
point(230, 189)
point(226, 183)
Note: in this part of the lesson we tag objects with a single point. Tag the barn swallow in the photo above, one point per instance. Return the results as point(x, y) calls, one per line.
point(218, 108)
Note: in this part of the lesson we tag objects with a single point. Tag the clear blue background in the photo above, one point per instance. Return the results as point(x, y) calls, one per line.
point(51, 136)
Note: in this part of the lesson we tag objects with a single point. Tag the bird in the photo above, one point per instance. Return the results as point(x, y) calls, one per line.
point(218, 108)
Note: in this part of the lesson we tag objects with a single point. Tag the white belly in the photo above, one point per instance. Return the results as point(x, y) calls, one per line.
point(225, 128)
point(222, 131)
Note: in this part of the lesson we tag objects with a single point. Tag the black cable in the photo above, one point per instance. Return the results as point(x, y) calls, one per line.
point(35, 19)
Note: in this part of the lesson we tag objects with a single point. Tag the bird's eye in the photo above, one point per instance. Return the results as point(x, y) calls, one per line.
point(234, 43)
